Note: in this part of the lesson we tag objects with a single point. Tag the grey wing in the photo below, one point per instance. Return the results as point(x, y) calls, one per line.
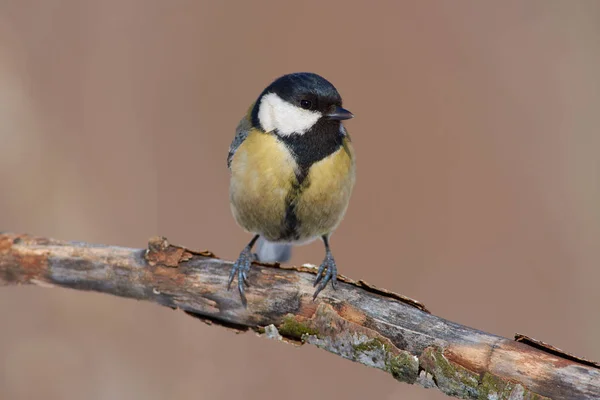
point(241, 133)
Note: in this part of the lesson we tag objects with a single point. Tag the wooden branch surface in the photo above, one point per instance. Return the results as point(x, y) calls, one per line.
point(357, 321)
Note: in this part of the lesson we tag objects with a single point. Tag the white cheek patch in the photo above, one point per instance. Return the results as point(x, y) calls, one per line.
point(274, 113)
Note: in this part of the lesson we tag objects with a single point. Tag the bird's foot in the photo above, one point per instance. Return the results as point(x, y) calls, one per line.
point(241, 268)
point(327, 272)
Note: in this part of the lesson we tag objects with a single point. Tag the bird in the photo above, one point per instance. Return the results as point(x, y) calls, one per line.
point(292, 172)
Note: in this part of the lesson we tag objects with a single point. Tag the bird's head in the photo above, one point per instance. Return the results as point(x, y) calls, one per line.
point(293, 104)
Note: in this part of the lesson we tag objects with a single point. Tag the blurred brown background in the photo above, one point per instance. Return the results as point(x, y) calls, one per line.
point(478, 187)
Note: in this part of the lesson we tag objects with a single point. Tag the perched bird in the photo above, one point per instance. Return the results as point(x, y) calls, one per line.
point(292, 172)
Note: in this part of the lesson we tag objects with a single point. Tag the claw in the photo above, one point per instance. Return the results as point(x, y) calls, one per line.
point(231, 275)
point(320, 273)
point(330, 275)
point(241, 288)
point(241, 268)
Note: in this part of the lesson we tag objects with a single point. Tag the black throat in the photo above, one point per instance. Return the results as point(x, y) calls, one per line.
point(323, 139)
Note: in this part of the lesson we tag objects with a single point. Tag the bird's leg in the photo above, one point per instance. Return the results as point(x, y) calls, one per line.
point(328, 267)
point(241, 267)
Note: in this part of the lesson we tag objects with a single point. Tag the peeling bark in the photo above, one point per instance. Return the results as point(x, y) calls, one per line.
point(357, 321)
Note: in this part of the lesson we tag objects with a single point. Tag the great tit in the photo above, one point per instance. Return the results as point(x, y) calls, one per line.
point(292, 172)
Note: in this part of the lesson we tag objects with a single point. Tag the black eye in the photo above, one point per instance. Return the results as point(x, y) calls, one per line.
point(306, 104)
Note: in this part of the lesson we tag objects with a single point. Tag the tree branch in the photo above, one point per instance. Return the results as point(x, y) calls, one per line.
point(357, 321)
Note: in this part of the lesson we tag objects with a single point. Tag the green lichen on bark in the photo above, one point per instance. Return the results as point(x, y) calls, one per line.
point(294, 329)
point(492, 387)
point(451, 379)
point(404, 367)
point(370, 345)
point(401, 364)
point(455, 380)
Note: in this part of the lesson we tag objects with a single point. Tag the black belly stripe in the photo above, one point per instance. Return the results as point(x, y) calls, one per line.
point(321, 141)
point(291, 223)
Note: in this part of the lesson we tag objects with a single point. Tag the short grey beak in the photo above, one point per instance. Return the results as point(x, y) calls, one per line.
point(340, 114)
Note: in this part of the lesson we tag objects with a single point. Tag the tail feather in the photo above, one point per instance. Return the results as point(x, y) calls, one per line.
point(273, 252)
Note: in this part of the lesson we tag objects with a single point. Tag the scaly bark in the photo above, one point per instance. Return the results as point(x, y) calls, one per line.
point(357, 321)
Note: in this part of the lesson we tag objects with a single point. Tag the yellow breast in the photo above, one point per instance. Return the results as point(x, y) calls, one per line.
point(325, 197)
point(262, 174)
point(264, 190)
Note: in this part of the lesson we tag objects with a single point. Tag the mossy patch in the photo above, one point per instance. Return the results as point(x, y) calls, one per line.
point(294, 329)
point(403, 366)
point(451, 379)
point(494, 387)
point(455, 380)
point(370, 345)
